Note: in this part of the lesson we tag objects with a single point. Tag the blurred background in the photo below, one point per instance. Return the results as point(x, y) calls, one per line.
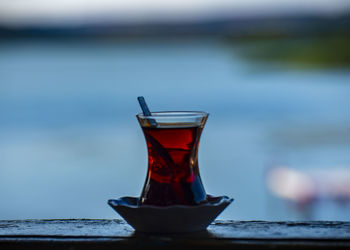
point(274, 76)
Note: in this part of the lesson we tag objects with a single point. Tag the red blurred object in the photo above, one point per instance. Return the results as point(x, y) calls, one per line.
point(305, 187)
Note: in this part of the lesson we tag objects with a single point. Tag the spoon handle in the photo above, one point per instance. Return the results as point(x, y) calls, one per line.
point(146, 111)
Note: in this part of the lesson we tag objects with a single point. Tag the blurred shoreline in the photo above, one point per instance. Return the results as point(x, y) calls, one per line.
point(240, 27)
point(298, 41)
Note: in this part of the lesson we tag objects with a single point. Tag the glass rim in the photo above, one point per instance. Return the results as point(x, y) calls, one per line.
point(174, 114)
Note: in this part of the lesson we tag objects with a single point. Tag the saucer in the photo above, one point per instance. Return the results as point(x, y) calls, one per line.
point(169, 219)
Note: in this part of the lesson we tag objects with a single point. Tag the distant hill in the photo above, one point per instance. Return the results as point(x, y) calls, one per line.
point(220, 27)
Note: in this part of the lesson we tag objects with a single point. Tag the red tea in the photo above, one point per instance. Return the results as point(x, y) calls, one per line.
point(173, 175)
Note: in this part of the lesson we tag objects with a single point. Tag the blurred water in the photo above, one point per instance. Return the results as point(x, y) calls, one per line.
point(69, 139)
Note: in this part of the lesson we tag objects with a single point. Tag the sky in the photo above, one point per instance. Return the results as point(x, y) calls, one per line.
point(19, 12)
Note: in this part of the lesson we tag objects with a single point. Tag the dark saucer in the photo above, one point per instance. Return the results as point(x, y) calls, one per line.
point(170, 219)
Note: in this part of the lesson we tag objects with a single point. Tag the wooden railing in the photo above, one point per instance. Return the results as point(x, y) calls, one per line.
point(116, 234)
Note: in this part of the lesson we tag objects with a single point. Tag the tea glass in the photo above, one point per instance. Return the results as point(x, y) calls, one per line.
point(172, 140)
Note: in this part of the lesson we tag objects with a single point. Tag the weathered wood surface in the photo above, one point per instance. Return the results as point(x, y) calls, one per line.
point(91, 234)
